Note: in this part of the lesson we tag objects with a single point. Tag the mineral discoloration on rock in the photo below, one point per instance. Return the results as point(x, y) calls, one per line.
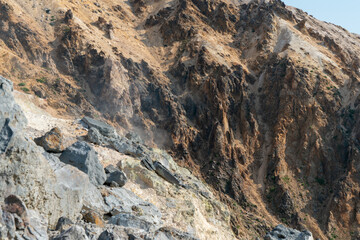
point(52, 141)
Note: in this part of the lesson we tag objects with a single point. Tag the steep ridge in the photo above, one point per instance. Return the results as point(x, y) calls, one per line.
point(256, 98)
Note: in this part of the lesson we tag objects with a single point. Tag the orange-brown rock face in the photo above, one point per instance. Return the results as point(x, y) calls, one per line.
point(259, 99)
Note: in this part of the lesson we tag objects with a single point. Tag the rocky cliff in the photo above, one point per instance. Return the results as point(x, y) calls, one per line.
point(257, 99)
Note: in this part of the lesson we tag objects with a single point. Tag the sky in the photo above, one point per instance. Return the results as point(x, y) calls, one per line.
point(345, 13)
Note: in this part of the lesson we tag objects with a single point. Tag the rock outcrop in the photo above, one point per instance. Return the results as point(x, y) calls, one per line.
point(115, 177)
point(82, 156)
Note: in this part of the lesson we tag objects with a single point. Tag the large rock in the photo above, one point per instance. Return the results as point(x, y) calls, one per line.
point(108, 235)
point(63, 224)
point(104, 129)
point(38, 226)
point(84, 157)
point(132, 221)
point(165, 173)
point(94, 136)
point(23, 170)
point(73, 233)
point(281, 232)
point(71, 187)
point(128, 147)
point(168, 233)
point(52, 141)
point(122, 200)
point(94, 200)
point(115, 177)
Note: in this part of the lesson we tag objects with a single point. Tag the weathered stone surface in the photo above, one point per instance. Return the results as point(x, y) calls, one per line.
point(74, 233)
point(147, 162)
point(126, 146)
point(83, 156)
point(282, 232)
point(9, 111)
point(104, 129)
point(7, 225)
point(108, 235)
point(52, 141)
point(94, 136)
point(92, 216)
point(132, 221)
point(70, 187)
point(68, 16)
point(168, 233)
point(94, 200)
point(165, 173)
point(115, 177)
point(124, 201)
point(14, 205)
point(134, 137)
point(38, 226)
point(63, 224)
point(23, 170)
point(5, 135)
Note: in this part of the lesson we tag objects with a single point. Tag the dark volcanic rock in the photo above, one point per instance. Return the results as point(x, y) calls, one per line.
point(5, 135)
point(115, 177)
point(94, 136)
point(108, 235)
point(74, 233)
point(282, 232)
point(148, 163)
point(63, 223)
point(104, 129)
point(165, 173)
point(84, 157)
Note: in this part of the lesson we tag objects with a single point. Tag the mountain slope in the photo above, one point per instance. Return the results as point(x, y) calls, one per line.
point(258, 99)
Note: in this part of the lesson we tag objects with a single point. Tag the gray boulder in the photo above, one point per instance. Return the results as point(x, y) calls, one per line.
point(73, 233)
point(94, 200)
point(108, 235)
point(127, 147)
point(115, 177)
point(121, 200)
point(63, 224)
point(169, 233)
point(281, 232)
point(71, 187)
point(84, 157)
point(132, 221)
point(104, 128)
point(94, 136)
